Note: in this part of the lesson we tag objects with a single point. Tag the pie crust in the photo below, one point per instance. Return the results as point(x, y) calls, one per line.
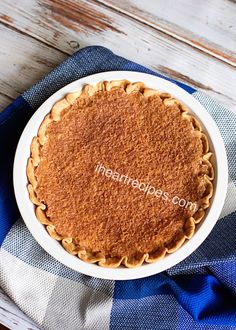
point(69, 243)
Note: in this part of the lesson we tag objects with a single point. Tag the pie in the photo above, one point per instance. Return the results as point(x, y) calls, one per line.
point(120, 174)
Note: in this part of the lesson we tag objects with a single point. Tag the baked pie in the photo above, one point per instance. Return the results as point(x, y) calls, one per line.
point(120, 173)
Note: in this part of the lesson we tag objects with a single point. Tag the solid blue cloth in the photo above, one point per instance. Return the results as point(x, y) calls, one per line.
point(198, 293)
point(202, 295)
point(12, 121)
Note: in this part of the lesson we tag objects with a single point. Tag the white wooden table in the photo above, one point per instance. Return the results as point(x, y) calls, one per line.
point(192, 41)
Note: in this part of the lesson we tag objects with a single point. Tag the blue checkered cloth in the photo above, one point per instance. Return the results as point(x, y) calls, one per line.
point(198, 293)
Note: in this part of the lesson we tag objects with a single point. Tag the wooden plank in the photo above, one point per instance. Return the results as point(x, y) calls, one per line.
point(208, 25)
point(12, 317)
point(67, 24)
point(24, 61)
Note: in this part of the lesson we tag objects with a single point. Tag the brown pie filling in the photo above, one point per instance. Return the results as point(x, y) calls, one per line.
point(135, 136)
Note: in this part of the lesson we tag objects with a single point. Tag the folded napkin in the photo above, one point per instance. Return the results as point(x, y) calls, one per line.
point(198, 293)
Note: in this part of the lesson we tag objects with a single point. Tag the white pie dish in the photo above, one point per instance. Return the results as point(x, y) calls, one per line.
point(53, 247)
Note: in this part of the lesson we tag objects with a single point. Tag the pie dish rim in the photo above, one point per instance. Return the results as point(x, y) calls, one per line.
point(132, 76)
point(55, 116)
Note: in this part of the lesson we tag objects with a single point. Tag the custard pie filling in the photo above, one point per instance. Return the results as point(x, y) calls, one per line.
point(145, 135)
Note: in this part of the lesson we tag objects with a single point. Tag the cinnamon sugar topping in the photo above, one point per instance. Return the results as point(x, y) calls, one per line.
point(132, 134)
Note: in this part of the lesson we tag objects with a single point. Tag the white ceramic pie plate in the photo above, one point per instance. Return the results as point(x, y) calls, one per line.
point(53, 247)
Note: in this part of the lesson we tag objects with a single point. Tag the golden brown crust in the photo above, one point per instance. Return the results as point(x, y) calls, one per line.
point(67, 242)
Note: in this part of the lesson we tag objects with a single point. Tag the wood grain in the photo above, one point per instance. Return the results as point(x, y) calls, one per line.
point(45, 21)
point(72, 13)
point(207, 25)
point(12, 317)
point(25, 65)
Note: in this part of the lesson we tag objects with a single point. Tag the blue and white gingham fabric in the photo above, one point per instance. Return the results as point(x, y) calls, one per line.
point(198, 293)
